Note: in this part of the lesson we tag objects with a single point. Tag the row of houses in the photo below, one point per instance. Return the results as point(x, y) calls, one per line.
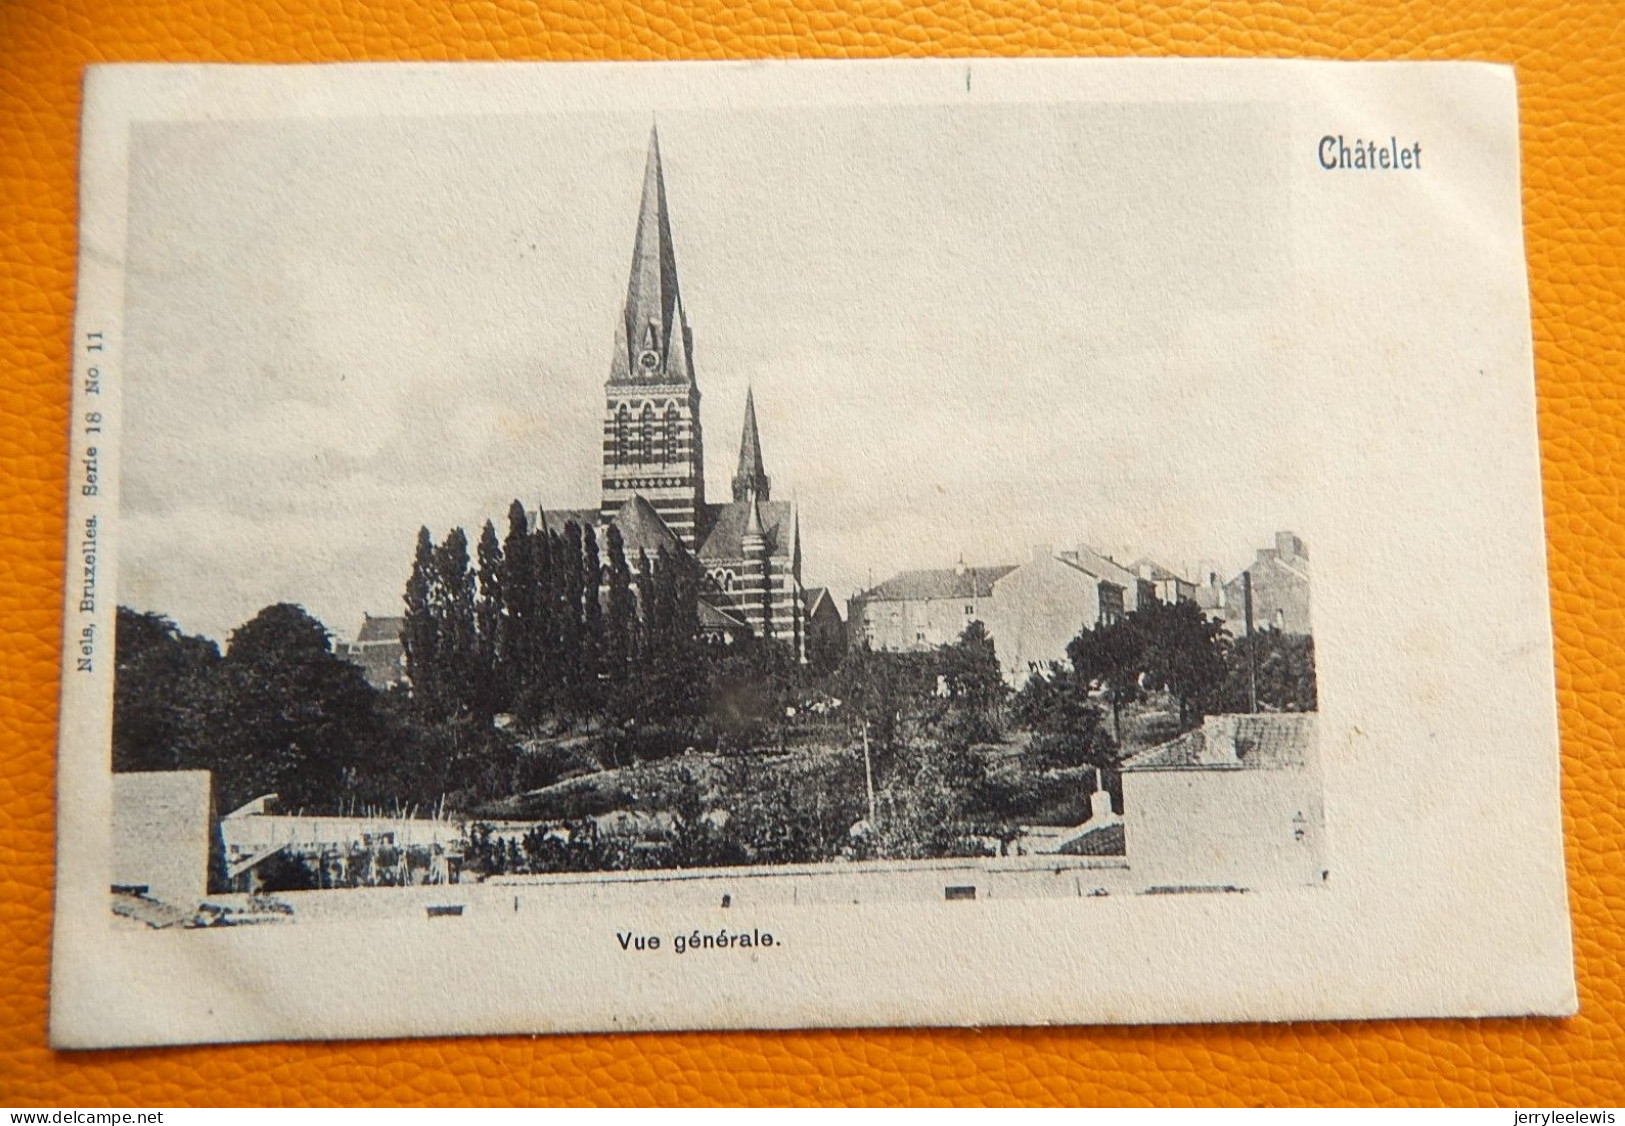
point(1034, 608)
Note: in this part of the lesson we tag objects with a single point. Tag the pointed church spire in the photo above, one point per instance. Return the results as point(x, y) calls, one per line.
point(752, 476)
point(652, 328)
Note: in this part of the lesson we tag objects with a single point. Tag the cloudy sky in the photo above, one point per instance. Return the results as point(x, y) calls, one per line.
point(969, 330)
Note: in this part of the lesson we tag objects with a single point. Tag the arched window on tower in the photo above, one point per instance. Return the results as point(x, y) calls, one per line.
point(623, 435)
point(648, 434)
point(670, 434)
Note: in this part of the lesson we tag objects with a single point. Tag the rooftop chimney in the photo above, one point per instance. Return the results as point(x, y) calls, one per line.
point(1289, 546)
point(1219, 733)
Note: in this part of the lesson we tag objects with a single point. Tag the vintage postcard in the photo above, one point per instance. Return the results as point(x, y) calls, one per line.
point(769, 545)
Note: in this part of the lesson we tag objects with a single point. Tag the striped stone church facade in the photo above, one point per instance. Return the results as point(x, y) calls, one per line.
point(653, 479)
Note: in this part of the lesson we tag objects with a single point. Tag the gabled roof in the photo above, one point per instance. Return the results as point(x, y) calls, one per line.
point(1086, 558)
point(725, 540)
point(1159, 573)
point(379, 629)
point(1298, 568)
point(642, 529)
point(1071, 561)
point(554, 519)
point(947, 582)
point(813, 595)
point(1262, 741)
point(714, 617)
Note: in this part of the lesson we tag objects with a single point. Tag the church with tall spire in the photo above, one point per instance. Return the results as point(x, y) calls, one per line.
point(653, 479)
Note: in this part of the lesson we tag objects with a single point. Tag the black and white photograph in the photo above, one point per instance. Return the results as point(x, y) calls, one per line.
point(1080, 652)
point(690, 503)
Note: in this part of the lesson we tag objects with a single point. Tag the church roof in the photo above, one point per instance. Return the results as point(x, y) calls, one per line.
point(554, 519)
point(653, 318)
point(643, 529)
point(948, 582)
point(713, 617)
point(729, 522)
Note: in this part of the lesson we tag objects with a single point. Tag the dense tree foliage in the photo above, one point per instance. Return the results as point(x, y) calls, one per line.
point(1069, 728)
point(1112, 658)
point(161, 694)
point(281, 713)
point(545, 626)
point(1185, 655)
point(549, 655)
point(1176, 648)
point(1283, 665)
point(972, 682)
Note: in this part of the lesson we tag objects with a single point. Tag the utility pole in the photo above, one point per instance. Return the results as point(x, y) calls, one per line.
point(869, 775)
point(1252, 647)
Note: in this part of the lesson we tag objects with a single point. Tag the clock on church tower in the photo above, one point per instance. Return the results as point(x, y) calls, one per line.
point(652, 444)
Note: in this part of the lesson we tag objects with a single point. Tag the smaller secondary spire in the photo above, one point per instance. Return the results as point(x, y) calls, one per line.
point(795, 557)
point(751, 479)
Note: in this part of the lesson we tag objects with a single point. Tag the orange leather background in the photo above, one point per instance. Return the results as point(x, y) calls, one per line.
point(1571, 64)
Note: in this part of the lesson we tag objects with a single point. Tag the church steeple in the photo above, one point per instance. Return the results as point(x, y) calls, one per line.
point(652, 342)
point(653, 446)
point(751, 479)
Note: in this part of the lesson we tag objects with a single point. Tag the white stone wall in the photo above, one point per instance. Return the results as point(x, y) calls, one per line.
point(254, 833)
point(1218, 827)
point(161, 834)
point(903, 625)
point(1037, 610)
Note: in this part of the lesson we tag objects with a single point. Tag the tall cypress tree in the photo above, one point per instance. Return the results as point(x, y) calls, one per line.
point(488, 610)
point(572, 650)
point(663, 631)
point(545, 629)
point(457, 636)
point(418, 631)
point(686, 608)
point(644, 633)
point(516, 650)
point(621, 610)
point(592, 612)
point(671, 669)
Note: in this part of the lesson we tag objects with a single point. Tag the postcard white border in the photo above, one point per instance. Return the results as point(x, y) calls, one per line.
point(1438, 718)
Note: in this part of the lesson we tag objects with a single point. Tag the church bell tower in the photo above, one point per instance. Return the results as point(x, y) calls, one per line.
point(652, 442)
